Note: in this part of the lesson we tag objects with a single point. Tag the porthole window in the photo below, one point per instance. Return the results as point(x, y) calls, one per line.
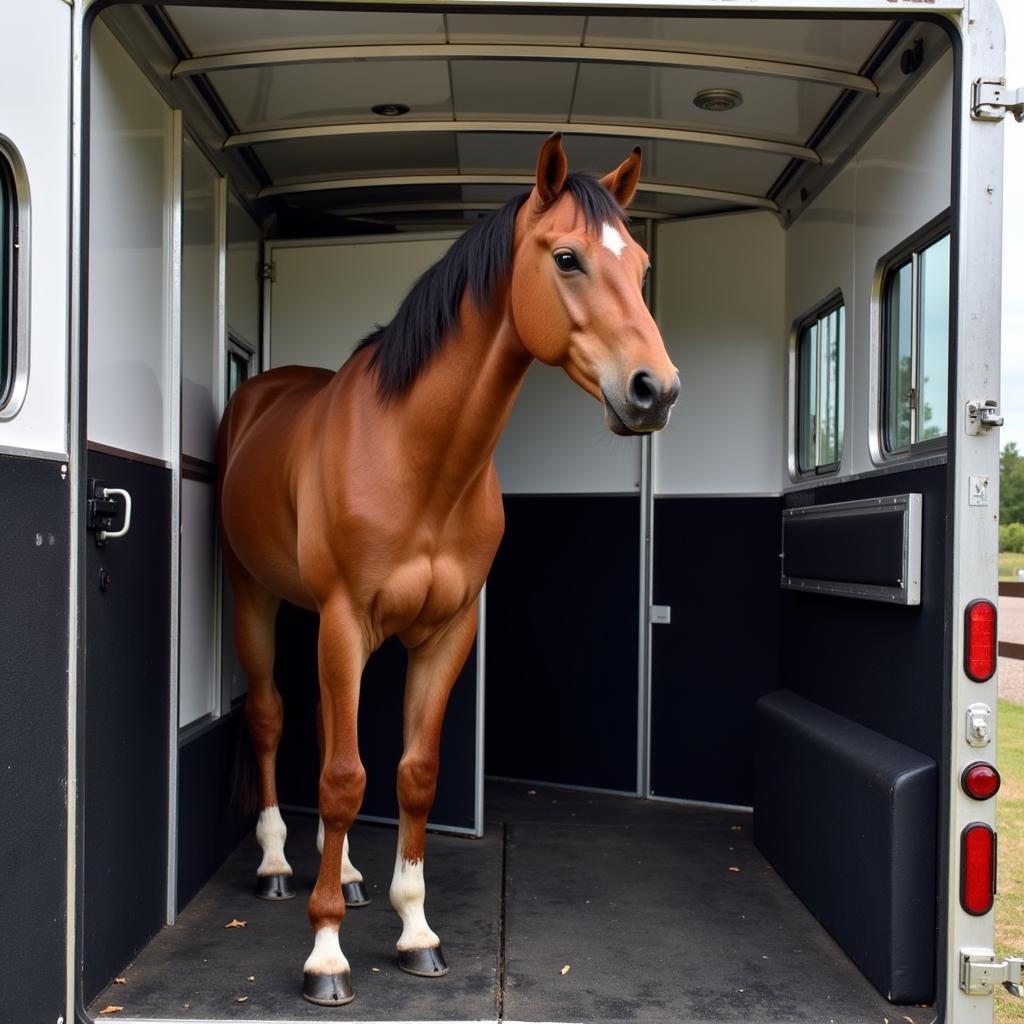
point(820, 386)
point(915, 344)
point(8, 289)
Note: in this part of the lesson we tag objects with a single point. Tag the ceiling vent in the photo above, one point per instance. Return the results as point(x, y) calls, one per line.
point(717, 100)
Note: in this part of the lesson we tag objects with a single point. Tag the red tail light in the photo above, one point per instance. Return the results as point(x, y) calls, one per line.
point(980, 780)
point(980, 640)
point(977, 868)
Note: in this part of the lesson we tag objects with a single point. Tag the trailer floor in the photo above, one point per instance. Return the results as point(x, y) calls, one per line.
point(660, 913)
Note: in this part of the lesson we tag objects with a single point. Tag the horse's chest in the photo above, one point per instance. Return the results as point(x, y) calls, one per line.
point(422, 594)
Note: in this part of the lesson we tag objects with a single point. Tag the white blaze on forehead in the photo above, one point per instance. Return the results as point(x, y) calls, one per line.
point(612, 239)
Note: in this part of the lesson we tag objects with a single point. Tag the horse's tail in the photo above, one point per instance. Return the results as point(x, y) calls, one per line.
point(244, 784)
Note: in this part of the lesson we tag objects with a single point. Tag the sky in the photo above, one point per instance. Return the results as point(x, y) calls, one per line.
point(1012, 384)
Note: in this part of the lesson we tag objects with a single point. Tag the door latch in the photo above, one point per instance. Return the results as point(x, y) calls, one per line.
point(992, 101)
point(102, 509)
point(983, 416)
point(980, 972)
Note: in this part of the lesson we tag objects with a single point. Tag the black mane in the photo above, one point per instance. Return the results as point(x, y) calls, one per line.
point(479, 261)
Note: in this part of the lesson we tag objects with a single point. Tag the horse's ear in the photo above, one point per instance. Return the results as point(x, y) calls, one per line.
point(623, 180)
point(552, 169)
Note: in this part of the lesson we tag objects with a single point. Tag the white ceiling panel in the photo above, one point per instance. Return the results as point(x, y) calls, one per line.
point(773, 108)
point(825, 42)
point(335, 157)
point(305, 94)
point(512, 89)
point(209, 30)
point(564, 30)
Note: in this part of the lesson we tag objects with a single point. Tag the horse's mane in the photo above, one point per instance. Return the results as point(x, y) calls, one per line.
point(480, 261)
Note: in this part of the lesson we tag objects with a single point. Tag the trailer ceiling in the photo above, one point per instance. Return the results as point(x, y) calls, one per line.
point(291, 95)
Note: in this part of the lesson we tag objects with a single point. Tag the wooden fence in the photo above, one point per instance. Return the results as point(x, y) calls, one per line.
point(1007, 649)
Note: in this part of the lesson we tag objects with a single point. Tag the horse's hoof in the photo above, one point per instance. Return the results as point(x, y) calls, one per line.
point(327, 989)
point(355, 894)
point(274, 887)
point(424, 963)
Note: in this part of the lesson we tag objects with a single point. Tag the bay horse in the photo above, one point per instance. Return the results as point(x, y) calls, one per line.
point(370, 495)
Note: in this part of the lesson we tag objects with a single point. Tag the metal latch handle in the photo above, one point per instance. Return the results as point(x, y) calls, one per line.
point(980, 972)
point(109, 492)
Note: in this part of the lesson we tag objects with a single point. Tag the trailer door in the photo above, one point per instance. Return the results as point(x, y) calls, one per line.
point(35, 511)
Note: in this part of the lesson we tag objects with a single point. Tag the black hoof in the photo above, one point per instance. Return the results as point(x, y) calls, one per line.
point(424, 963)
point(327, 989)
point(274, 887)
point(355, 894)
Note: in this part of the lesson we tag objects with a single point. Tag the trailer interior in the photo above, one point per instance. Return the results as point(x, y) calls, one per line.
point(702, 777)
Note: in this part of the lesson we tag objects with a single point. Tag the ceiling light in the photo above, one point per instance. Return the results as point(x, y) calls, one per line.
point(717, 100)
point(390, 109)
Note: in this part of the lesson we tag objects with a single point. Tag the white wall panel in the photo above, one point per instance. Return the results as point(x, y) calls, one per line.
point(197, 659)
point(898, 182)
point(326, 298)
point(35, 117)
point(243, 286)
point(130, 184)
point(720, 289)
point(200, 294)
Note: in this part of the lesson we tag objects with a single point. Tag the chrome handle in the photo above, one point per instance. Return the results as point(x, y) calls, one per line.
point(109, 492)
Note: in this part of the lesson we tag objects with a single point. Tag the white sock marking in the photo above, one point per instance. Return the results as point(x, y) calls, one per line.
point(408, 894)
point(327, 957)
point(612, 239)
point(349, 872)
point(270, 834)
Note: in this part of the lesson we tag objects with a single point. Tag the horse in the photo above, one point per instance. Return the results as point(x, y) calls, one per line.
point(370, 495)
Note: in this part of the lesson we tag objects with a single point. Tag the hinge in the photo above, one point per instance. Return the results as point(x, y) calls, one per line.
point(992, 101)
point(980, 972)
point(268, 272)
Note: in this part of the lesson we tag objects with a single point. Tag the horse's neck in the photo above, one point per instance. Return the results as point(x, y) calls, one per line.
point(455, 411)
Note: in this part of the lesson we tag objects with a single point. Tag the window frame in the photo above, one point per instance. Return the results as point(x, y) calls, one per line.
point(14, 280)
point(834, 302)
point(907, 252)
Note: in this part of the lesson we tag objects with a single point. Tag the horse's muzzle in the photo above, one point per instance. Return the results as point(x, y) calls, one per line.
point(644, 407)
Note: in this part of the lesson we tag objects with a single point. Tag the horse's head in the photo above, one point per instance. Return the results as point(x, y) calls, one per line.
point(577, 292)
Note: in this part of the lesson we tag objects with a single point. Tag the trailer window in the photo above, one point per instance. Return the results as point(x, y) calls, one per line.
point(915, 343)
point(240, 364)
point(820, 364)
point(8, 215)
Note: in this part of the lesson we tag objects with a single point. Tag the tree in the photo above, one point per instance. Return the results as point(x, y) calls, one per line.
point(1011, 485)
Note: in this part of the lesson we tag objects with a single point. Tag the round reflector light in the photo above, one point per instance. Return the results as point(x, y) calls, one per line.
point(977, 868)
point(980, 640)
point(980, 780)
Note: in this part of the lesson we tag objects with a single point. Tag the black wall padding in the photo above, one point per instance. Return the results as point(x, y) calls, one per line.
point(34, 538)
point(208, 827)
point(127, 710)
point(380, 727)
point(847, 818)
point(878, 664)
point(562, 650)
point(845, 549)
point(717, 566)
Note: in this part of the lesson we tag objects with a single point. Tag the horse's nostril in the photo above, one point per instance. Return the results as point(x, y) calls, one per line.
point(643, 389)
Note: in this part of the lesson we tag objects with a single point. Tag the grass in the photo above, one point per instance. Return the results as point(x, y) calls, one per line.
point(1010, 826)
point(1009, 563)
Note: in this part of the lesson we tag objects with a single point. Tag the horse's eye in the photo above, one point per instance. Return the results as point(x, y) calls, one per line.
point(566, 261)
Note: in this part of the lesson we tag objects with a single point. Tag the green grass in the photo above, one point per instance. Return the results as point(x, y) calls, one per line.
point(1009, 563)
point(1010, 826)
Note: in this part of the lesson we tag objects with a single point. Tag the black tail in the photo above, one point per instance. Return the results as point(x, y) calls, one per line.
point(244, 783)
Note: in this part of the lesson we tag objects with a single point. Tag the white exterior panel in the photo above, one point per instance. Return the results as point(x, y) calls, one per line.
point(197, 691)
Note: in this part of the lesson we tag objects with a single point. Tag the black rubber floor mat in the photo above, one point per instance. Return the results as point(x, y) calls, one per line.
point(199, 969)
point(682, 922)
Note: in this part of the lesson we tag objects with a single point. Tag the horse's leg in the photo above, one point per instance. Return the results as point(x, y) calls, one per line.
point(352, 887)
point(342, 656)
point(433, 669)
point(255, 612)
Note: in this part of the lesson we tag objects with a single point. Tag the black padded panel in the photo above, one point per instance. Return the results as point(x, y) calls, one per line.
point(380, 727)
point(845, 549)
point(208, 828)
point(848, 817)
point(717, 566)
point(34, 538)
point(126, 714)
point(878, 664)
point(562, 623)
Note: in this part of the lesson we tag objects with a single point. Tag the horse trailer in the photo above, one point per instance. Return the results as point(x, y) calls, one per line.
point(724, 748)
